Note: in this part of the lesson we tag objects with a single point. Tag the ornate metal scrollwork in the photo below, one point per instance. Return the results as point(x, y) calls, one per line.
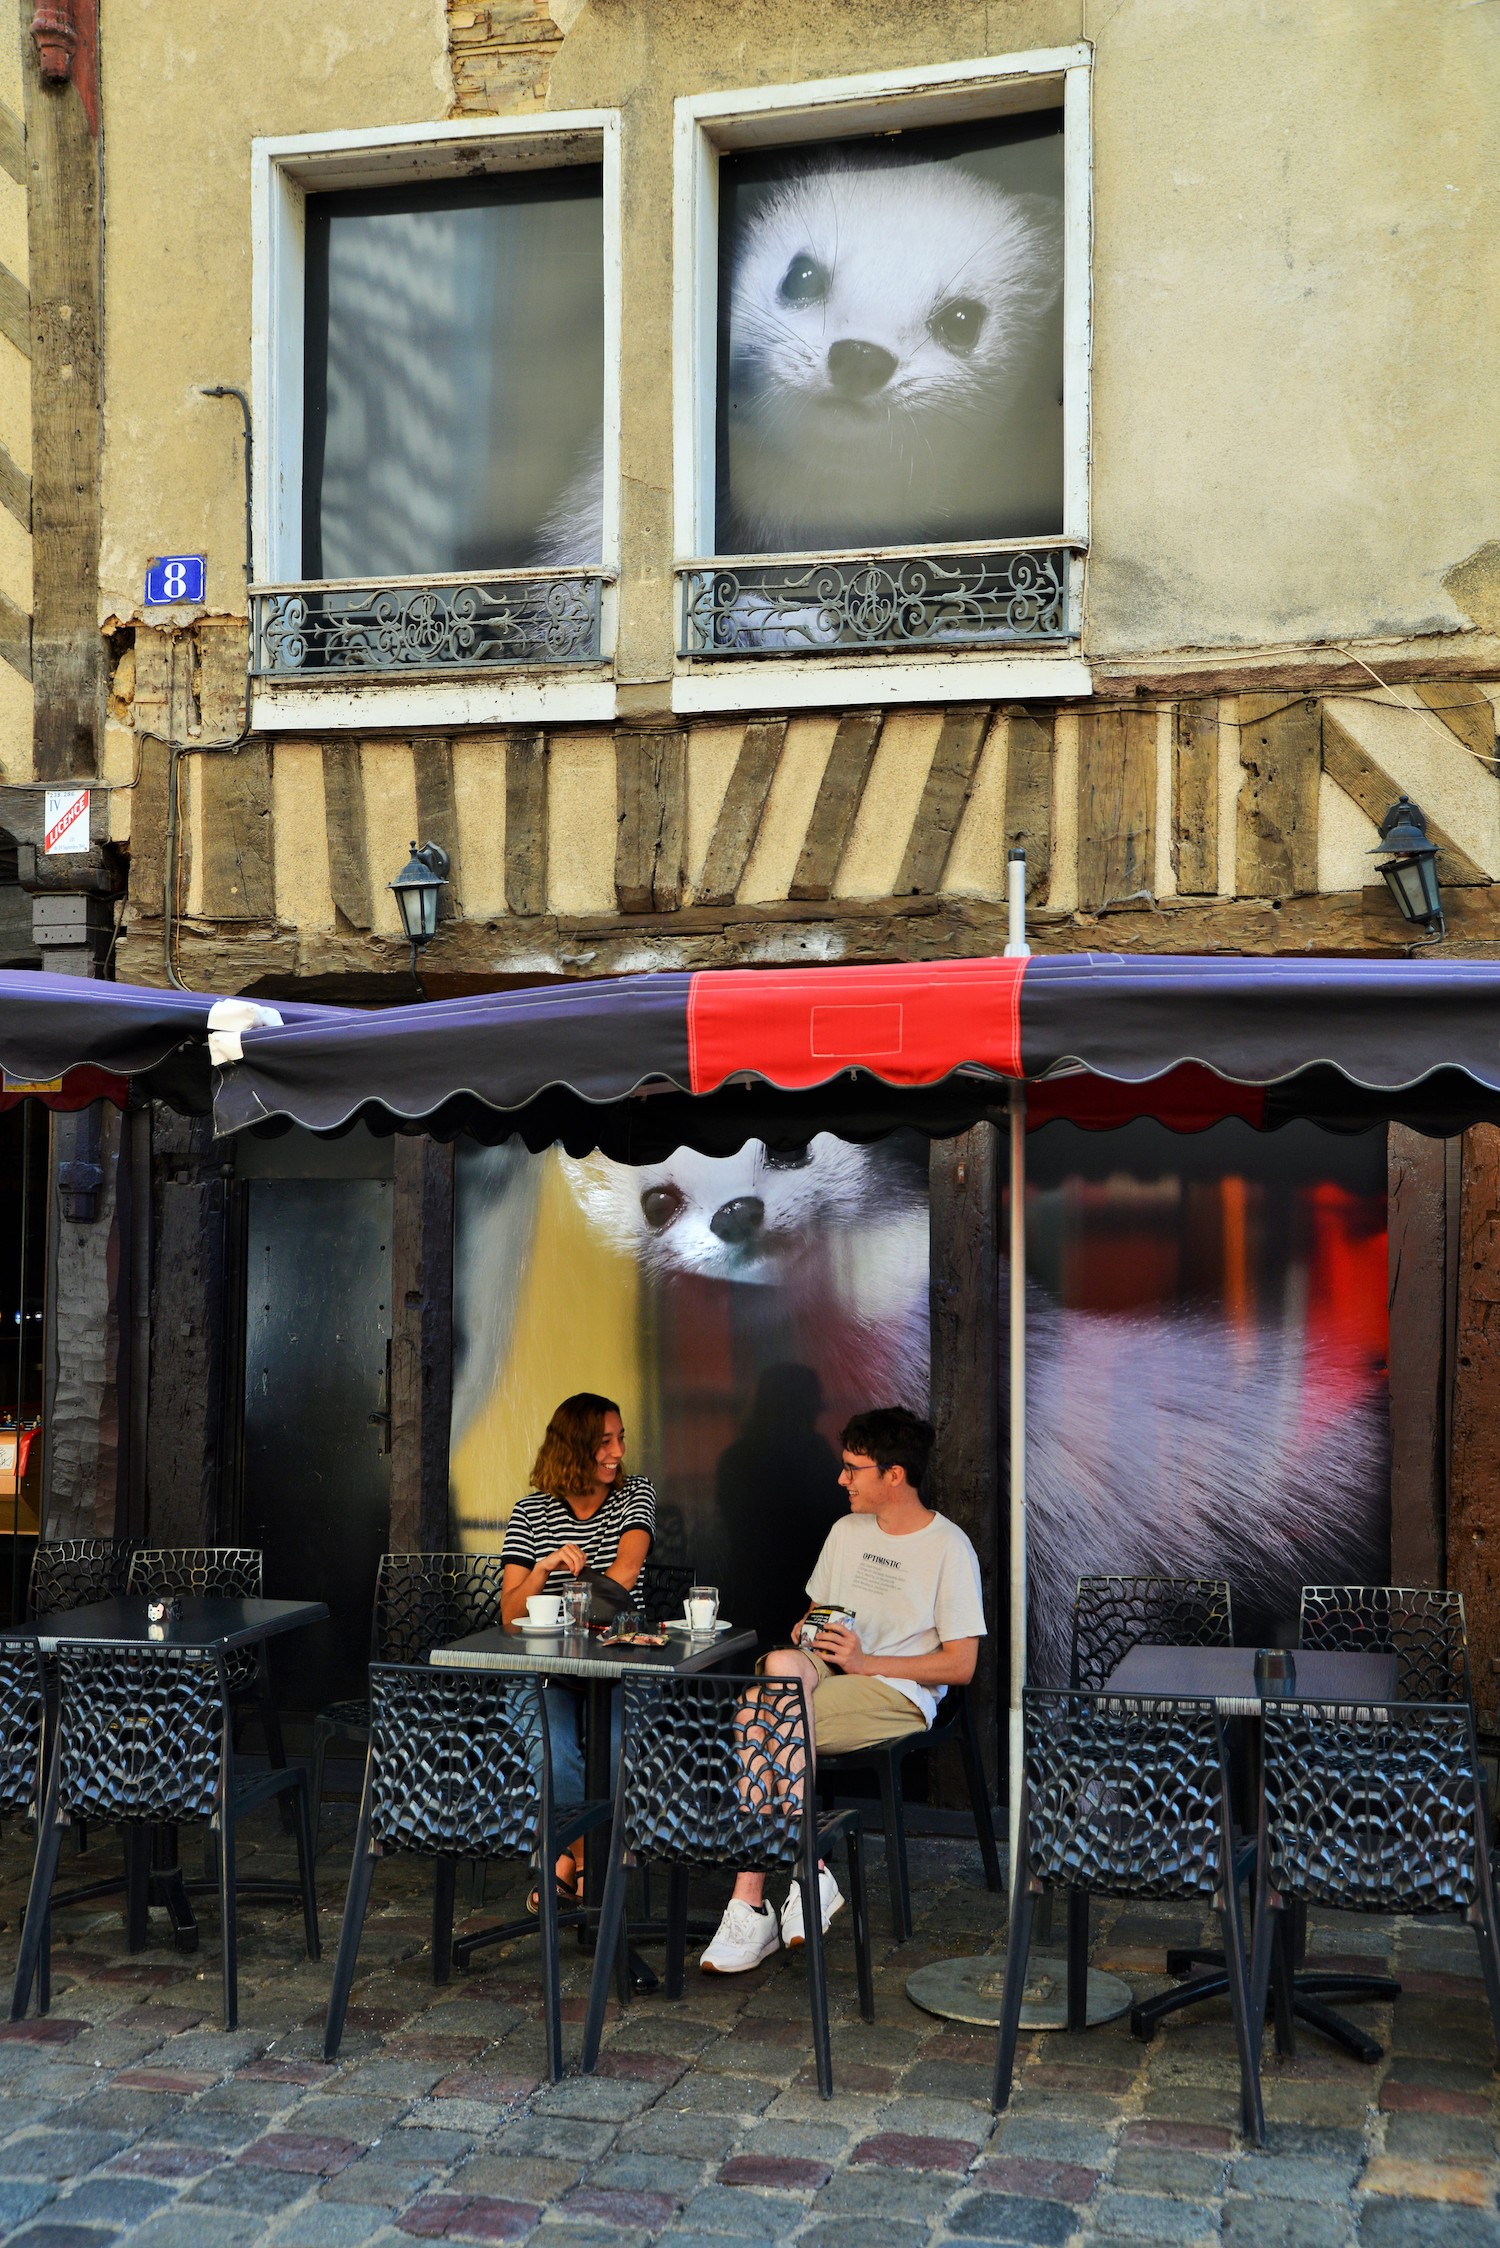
point(893, 602)
point(478, 624)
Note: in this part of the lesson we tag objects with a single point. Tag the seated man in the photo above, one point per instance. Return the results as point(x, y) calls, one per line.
point(910, 1579)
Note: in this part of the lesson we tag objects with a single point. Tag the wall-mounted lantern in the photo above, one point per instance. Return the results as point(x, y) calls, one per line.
point(1410, 865)
point(418, 887)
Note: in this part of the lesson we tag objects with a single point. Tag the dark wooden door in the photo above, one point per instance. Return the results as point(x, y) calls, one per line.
point(316, 1463)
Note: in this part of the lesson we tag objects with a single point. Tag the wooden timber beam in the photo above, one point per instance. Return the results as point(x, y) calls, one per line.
point(1374, 790)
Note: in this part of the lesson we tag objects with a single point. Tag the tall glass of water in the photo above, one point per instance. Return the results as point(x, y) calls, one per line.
point(702, 1607)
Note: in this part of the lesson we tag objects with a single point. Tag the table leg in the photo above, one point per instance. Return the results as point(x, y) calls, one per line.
point(598, 1786)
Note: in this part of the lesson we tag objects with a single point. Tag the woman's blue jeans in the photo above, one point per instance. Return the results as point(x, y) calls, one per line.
point(565, 1716)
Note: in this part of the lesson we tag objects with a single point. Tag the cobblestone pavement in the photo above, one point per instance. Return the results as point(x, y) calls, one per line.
point(130, 2115)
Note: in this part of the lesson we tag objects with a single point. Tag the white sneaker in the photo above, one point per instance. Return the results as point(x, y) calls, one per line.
point(830, 1897)
point(744, 1938)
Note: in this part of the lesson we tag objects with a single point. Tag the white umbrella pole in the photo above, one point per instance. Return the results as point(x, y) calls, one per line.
point(1017, 948)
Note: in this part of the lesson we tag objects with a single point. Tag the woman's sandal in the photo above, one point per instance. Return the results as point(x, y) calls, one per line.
point(568, 1890)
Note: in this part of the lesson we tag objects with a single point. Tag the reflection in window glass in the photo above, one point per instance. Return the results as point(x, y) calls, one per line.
point(455, 376)
point(890, 339)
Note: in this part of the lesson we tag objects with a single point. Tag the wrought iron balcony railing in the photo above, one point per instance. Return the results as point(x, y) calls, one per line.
point(341, 627)
point(894, 600)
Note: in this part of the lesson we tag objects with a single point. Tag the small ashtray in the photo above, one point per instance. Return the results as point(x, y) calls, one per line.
point(163, 1611)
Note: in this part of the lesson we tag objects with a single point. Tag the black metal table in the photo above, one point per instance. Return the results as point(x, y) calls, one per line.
point(559, 1655)
point(206, 1621)
point(1227, 1675)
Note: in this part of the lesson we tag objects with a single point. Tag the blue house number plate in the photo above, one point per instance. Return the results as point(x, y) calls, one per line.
point(174, 577)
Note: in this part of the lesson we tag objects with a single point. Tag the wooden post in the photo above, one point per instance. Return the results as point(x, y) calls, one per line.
point(1474, 1487)
point(421, 1345)
point(965, 1479)
point(185, 1438)
point(1417, 1235)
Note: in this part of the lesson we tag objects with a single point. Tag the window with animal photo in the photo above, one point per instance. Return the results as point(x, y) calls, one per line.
point(890, 360)
point(1206, 1382)
point(454, 377)
point(738, 1308)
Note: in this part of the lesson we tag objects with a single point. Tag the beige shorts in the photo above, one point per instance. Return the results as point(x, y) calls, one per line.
point(852, 1713)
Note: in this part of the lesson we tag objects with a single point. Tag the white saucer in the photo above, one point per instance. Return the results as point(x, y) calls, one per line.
point(525, 1624)
point(680, 1623)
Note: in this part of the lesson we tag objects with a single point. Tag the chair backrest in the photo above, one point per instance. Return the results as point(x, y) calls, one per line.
point(458, 1762)
point(423, 1600)
point(22, 1706)
point(663, 1586)
point(71, 1572)
point(212, 1572)
point(714, 1770)
point(1372, 1808)
point(1113, 1614)
point(1423, 1628)
point(1125, 1794)
point(141, 1731)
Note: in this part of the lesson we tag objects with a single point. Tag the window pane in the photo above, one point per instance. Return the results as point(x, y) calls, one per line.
point(890, 340)
point(455, 376)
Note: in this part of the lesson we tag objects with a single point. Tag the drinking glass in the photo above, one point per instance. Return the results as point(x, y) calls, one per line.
point(702, 1607)
point(575, 1600)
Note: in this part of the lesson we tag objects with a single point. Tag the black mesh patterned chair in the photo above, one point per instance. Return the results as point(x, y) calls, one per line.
point(1368, 1808)
point(223, 1573)
point(72, 1572)
point(1126, 1796)
point(459, 1766)
point(954, 1722)
point(1424, 1629)
point(714, 1775)
point(22, 1733)
point(422, 1600)
point(1113, 1614)
point(662, 1587)
point(145, 1739)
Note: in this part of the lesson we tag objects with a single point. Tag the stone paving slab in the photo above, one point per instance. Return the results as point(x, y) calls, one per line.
point(130, 2118)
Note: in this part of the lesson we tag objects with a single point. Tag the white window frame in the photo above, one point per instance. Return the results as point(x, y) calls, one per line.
point(284, 171)
point(710, 125)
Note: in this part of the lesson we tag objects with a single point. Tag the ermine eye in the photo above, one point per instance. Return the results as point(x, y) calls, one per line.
point(804, 281)
point(659, 1206)
point(957, 323)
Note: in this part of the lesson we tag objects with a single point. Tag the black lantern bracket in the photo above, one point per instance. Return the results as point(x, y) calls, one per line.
point(1409, 868)
point(418, 889)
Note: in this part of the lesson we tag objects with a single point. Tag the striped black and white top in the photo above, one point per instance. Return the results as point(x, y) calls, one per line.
point(540, 1524)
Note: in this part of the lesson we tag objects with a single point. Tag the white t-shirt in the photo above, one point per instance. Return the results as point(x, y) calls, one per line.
point(907, 1595)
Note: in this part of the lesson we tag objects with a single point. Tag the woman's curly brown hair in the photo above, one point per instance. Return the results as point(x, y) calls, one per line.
point(564, 1467)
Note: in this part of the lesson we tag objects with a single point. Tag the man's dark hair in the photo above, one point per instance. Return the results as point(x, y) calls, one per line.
point(892, 1437)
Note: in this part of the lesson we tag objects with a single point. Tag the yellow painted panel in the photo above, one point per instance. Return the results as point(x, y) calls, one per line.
point(15, 725)
point(1345, 839)
point(1429, 762)
point(888, 807)
point(304, 893)
point(390, 785)
point(581, 822)
point(976, 863)
point(13, 244)
point(479, 792)
point(15, 404)
point(789, 807)
point(577, 1326)
point(711, 754)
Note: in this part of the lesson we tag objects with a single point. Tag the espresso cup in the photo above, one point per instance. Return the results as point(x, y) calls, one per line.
point(544, 1608)
point(701, 1608)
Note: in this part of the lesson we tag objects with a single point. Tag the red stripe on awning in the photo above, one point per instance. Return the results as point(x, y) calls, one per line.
point(75, 1089)
point(1187, 1099)
point(908, 1025)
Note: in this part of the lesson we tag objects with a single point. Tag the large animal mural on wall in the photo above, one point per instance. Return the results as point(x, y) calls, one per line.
point(1206, 1327)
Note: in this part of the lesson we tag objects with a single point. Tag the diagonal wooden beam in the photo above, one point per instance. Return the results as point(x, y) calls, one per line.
point(1466, 710)
point(833, 815)
point(1351, 767)
point(950, 779)
point(15, 311)
point(15, 636)
point(740, 814)
point(12, 145)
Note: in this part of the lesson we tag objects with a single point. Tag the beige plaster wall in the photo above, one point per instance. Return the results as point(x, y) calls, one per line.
point(1297, 277)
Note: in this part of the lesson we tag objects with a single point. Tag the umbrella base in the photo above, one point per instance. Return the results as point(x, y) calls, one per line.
point(969, 1990)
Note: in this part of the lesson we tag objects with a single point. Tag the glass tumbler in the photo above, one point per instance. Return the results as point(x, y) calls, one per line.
point(702, 1607)
point(575, 1600)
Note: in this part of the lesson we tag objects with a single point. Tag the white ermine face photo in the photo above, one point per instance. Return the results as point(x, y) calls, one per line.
point(891, 349)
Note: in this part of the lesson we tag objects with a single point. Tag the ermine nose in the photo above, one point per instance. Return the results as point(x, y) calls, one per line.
point(739, 1220)
point(859, 369)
